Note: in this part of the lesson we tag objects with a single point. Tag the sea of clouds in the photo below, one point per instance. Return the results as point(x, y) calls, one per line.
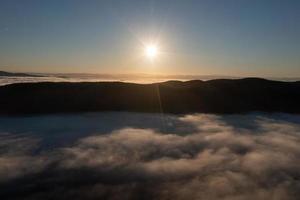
point(138, 78)
point(150, 156)
point(7, 80)
point(12, 80)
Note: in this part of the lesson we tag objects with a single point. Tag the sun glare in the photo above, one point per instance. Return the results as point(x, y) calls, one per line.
point(151, 51)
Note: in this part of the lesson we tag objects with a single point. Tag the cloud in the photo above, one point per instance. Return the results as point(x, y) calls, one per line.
point(15, 158)
point(236, 157)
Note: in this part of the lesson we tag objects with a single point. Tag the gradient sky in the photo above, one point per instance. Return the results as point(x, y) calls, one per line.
point(215, 37)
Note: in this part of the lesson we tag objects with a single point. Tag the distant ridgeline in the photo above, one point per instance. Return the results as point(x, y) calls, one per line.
point(214, 96)
point(8, 74)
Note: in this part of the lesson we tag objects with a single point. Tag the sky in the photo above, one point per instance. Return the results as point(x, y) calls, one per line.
point(205, 37)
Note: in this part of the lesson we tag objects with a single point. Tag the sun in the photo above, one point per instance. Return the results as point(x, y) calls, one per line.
point(151, 51)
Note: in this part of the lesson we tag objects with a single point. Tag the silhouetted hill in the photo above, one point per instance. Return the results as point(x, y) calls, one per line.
point(214, 96)
point(3, 73)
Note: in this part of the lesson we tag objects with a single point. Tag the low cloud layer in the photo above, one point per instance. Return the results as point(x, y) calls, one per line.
point(236, 157)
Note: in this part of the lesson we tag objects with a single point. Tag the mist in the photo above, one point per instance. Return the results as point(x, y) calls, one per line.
point(150, 156)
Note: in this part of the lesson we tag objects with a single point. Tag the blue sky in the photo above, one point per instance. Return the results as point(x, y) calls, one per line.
point(223, 37)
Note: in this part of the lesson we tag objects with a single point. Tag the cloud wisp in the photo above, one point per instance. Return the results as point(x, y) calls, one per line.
point(236, 157)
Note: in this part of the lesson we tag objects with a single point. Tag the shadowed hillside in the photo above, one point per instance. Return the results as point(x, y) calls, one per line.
point(215, 96)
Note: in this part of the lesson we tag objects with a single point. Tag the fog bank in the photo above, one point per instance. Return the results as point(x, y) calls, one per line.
point(150, 156)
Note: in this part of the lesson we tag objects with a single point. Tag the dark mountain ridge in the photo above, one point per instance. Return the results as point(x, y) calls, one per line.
point(214, 96)
point(3, 73)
